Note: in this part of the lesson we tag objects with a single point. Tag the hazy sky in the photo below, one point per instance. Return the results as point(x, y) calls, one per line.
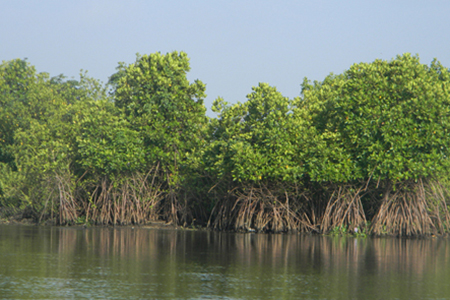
point(232, 45)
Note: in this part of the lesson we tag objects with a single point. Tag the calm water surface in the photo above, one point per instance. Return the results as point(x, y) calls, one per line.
point(125, 263)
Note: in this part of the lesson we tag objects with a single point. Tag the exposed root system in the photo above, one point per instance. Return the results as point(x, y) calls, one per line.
point(67, 204)
point(409, 208)
point(136, 200)
point(259, 209)
point(60, 199)
point(412, 208)
point(344, 209)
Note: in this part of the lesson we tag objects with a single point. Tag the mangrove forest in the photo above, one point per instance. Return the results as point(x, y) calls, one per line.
point(363, 152)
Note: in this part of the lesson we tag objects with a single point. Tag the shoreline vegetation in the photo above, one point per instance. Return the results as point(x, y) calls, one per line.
point(364, 152)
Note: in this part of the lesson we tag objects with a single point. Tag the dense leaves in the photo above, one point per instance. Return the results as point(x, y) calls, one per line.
point(162, 104)
point(356, 146)
point(391, 117)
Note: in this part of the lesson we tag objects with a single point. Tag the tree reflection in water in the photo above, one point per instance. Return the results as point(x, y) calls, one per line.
point(137, 262)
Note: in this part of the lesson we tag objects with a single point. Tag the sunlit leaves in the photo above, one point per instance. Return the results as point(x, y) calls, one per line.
point(163, 107)
point(260, 139)
point(105, 142)
point(391, 117)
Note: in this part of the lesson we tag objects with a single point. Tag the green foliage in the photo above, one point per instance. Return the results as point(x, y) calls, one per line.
point(10, 195)
point(389, 117)
point(360, 139)
point(166, 114)
point(361, 232)
point(106, 144)
point(18, 82)
point(163, 106)
point(326, 159)
point(260, 139)
point(339, 230)
point(38, 134)
point(272, 138)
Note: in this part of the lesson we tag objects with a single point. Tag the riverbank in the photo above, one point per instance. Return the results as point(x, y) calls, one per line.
point(150, 225)
point(365, 152)
point(162, 225)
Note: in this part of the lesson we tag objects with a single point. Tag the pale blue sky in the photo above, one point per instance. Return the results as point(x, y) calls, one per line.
point(232, 45)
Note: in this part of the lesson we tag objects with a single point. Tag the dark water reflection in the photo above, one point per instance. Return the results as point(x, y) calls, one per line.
point(126, 263)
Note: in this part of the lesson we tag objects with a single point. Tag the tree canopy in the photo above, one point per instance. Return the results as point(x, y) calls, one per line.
point(366, 149)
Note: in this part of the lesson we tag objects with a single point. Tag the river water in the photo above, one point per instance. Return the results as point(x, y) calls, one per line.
point(136, 263)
